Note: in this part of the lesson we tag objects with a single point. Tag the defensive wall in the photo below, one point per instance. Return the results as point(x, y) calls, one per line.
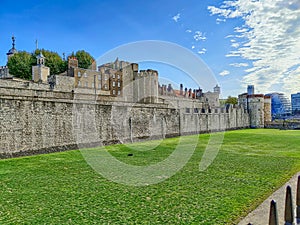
point(35, 119)
point(284, 125)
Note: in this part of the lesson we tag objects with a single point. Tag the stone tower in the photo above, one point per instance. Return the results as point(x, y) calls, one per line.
point(258, 107)
point(267, 109)
point(217, 89)
point(40, 72)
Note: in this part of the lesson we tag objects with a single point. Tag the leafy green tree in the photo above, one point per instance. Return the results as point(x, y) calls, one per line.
point(53, 60)
point(20, 65)
point(84, 58)
point(231, 100)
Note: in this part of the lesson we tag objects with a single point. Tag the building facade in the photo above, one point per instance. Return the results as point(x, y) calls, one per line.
point(295, 102)
point(213, 98)
point(250, 89)
point(281, 105)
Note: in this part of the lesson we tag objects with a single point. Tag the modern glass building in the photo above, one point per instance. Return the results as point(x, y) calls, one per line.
point(281, 105)
point(250, 89)
point(295, 102)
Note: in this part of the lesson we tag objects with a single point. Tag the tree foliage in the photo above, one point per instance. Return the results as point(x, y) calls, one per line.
point(52, 60)
point(20, 65)
point(84, 58)
point(231, 100)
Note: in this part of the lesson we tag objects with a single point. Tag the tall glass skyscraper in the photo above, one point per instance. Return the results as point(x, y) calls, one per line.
point(295, 102)
point(250, 89)
point(281, 105)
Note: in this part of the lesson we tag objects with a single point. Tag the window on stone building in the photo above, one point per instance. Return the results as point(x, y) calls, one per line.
point(105, 86)
point(93, 85)
point(79, 74)
point(86, 84)
point(105, 77)
point(119, 84)
point(99, 77)
point(79, 83)
point(99, 86)
point(118, 76)
point(85, 74)
point(114, 92)
point(114, 84)
point(119, 92)
point(114, 76)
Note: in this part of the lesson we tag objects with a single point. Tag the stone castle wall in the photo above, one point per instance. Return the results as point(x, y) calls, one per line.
point(38, 121)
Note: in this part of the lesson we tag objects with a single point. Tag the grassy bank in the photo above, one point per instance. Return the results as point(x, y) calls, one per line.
point(61, 188)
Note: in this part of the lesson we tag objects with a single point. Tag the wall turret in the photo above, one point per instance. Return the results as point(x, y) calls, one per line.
point(40, 72)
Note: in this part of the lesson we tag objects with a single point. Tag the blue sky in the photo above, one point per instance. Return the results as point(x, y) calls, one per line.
point(241, 41)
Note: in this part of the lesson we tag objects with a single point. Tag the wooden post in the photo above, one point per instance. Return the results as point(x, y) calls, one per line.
point(298, 201)
point(273, 217)
point(288, 213)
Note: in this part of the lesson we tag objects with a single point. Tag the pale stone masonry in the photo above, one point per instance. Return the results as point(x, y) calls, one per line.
point(117, 103)
point(40, 72)
point(35, 119)
point(258, 106)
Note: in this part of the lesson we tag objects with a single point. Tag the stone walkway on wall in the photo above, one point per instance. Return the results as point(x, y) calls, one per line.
point(260, 216)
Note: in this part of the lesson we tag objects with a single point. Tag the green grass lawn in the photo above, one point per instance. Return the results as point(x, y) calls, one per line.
point(61, 188)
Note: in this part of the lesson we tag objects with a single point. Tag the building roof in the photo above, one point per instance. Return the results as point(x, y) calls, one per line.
point(256, 96)
point(13, 50)
point(40, 56)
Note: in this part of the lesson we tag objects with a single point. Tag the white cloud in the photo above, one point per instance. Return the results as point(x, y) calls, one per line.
point(202, 51)
point(235, 45)
point(239, 64)
point(193, 47)
point(269, 37)
point(176, 17)
point(218, 20)
point(233, 54)
point(230, 36)
point(240, 30)
point(199, 36)
point(188, 31)
point(224, 73)
point(292, 81)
